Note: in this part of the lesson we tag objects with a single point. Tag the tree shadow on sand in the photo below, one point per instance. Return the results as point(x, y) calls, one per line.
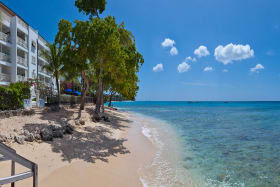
point(116, 120)
point(56, 117)
point(88, 144)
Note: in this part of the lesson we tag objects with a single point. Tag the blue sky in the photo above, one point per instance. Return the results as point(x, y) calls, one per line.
point(248, 33)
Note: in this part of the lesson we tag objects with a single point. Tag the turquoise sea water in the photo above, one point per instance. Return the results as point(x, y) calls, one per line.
point(222, 144)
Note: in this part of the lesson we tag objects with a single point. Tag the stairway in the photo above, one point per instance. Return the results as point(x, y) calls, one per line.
point(9, 154)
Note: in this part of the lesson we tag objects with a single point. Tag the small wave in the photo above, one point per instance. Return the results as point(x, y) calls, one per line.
point(146, 132)
point(144, 183)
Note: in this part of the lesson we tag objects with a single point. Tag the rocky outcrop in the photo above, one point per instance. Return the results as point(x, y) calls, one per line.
point(19, 112)
point(19, 139)
point(46, 133)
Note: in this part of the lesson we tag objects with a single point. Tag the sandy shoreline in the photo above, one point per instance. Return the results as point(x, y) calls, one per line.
point(97, 154)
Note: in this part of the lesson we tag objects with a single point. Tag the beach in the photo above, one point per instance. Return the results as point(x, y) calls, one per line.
point(96, 154)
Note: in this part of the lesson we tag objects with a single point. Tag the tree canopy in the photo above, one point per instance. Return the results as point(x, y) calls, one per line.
point(91, 7)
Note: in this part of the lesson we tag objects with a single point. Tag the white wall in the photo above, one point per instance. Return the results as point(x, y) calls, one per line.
point(33, 36)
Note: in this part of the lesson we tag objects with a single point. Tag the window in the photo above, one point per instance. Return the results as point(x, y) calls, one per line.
point(33, 60)
point(33, 46)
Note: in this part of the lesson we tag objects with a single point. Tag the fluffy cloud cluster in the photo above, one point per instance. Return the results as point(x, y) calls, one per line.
point(208, 68)
point(174, 51)
point(201, 51)
point(158, 68)
point(190, 59)
point(229, 53)
point(170, 43)
point(183, 67)
point(257, 68)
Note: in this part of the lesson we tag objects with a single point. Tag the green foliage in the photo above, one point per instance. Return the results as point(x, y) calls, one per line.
point(100, 52)
point(23, 88)
point(11, 98)
point(91, 7)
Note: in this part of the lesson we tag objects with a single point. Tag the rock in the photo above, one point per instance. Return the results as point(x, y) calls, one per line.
point(46, 134)
point(2, 115)
point(19, 139)
point(97, 118)
point(105, 118)
point(77, 122)
point(37, 136)
point(29, 137)
point(82, 122)
point(68, 129)
point(14, 112)
point(28, 112)
point(19, 112)
point(58, 133)
point(10, 138)
point(3, 138)
point(8, 114)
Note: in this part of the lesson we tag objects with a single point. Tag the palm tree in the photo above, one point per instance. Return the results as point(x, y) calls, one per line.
point(54, 57)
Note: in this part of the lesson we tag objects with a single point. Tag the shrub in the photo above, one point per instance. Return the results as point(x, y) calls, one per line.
point(23, 88)
point(11, 98)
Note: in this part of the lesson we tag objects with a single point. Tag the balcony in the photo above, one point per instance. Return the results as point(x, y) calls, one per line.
point(4, 57)
point(41, 69)
point(23, 24)
point(21, 78)
point(5, 17)
point(4, 37)
point(5, 77)
point(22, 61)
point(22, 42)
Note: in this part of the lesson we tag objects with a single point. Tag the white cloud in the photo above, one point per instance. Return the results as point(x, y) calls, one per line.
point(168, 43)
point(208, 68)
point(229, 53)
point(225, 70)
point(158, 68)
point(183, 67)
point(190, 59)
point(173, 51)
point(257, 68)
point(201, 51)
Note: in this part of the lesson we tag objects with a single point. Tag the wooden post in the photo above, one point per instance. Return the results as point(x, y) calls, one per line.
point(13, 172)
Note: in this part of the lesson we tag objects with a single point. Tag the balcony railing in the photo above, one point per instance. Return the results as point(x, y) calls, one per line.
point(22, 61)
point(22, 43)
point(4, 37)
point(21, 78)
point(4, 57)
point(5, 77)
point(42, 69)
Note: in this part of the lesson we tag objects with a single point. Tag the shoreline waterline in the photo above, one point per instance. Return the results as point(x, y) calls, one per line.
point(166, 168)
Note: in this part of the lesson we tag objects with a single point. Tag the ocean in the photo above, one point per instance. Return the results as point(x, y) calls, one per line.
point(210, 143)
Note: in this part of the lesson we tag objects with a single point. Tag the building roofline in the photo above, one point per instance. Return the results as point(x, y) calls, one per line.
point(10, 11)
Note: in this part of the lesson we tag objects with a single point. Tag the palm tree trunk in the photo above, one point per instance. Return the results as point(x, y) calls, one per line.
point(58, 88)
point(84, 90)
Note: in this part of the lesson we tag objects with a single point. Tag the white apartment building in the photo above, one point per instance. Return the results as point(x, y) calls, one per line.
point(21, 50)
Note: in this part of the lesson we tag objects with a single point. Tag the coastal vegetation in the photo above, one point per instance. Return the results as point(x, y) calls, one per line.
point(12, 97)
point(99, 52)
